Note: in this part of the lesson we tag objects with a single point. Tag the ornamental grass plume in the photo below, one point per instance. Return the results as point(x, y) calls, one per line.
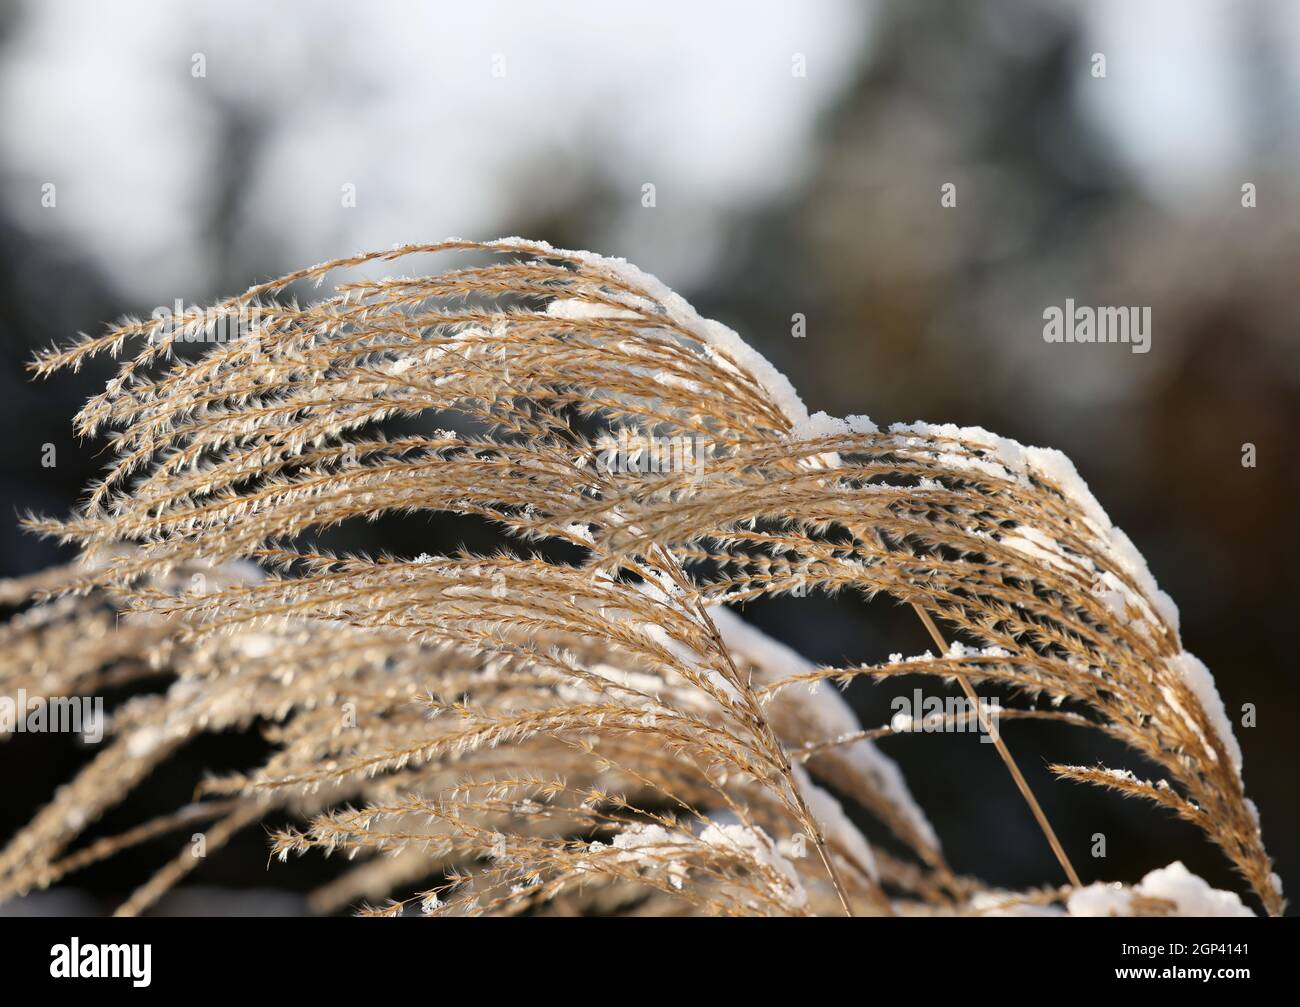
point(579, 722)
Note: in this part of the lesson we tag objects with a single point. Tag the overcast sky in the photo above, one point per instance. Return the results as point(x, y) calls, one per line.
point(400, 100)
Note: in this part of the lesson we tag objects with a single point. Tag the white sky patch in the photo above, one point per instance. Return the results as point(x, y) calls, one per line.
point(697, 98)
point(1175, 99)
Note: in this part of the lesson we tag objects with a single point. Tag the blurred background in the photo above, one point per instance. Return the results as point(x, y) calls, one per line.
point(796, 155)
